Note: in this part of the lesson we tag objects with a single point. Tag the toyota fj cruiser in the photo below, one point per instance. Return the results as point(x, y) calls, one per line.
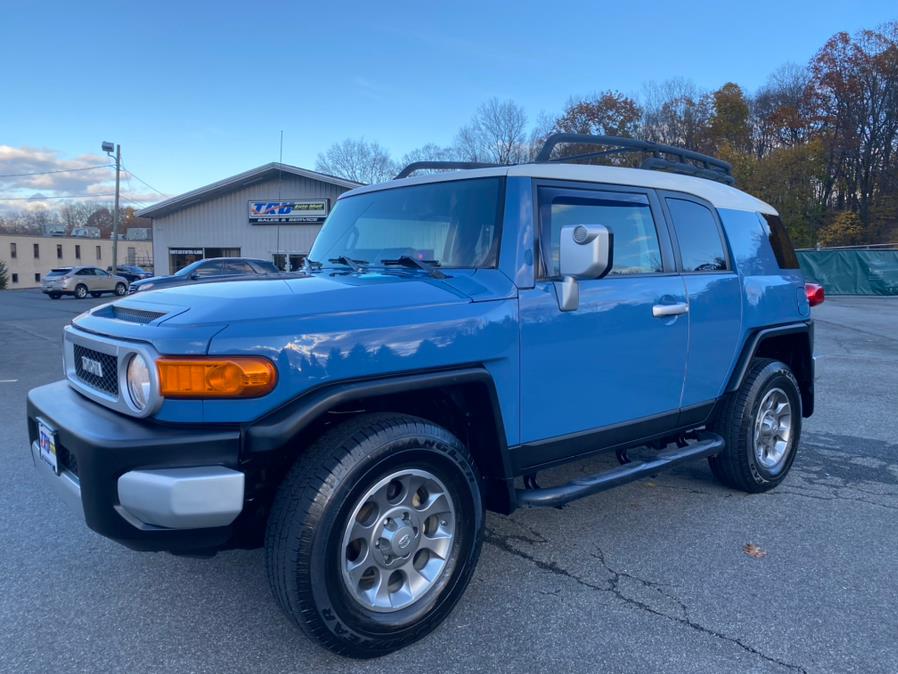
point(453, 334)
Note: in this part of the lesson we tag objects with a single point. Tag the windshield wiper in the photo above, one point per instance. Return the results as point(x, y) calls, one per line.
point(311, 264)
point(355, 265)
point(430, 266)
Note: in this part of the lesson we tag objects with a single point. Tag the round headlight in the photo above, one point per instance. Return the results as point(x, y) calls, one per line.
point(139, 381)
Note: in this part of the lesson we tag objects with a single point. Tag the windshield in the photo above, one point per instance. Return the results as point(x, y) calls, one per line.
point(451, 224)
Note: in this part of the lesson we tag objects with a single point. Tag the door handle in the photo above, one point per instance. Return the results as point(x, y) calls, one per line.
point(663, 310)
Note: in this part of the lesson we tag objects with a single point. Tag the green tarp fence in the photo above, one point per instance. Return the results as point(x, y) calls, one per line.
point(852, 272)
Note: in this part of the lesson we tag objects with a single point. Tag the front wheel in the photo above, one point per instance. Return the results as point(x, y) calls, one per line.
point(120, 289)
point(761, 424)
point(375, 533)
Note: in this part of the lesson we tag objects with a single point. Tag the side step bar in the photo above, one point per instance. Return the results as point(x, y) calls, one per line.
point(708, 444)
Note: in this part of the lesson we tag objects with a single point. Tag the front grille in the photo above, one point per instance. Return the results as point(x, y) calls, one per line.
point(134, 315)
point(106, 379)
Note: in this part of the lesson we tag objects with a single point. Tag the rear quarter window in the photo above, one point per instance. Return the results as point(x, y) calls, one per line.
point(780, 241)
point(701, 247)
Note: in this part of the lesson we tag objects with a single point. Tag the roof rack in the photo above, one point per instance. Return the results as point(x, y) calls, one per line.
point(423, 165)
point(663, 157)
point(687, 162)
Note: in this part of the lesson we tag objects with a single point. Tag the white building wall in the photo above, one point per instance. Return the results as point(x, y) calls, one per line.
point(223, 222)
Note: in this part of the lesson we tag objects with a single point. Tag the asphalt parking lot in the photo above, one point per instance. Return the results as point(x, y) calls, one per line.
point(650, 576)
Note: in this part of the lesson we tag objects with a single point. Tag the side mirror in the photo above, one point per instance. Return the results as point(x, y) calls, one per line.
point(586, 253)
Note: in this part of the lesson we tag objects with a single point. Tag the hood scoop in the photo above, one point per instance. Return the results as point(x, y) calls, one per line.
point(129, 314)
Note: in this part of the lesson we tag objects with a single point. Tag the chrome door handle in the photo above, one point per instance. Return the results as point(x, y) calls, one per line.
point(663, 310)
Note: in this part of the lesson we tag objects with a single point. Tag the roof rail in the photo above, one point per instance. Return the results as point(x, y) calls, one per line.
point(423, 165)
point(687, 162)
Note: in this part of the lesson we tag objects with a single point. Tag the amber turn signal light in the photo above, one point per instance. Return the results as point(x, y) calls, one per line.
point(236, 377)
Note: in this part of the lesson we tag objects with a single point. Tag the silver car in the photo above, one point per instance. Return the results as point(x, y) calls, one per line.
point(79, 281)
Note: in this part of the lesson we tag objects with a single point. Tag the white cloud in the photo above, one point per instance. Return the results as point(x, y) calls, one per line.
point(55, 178)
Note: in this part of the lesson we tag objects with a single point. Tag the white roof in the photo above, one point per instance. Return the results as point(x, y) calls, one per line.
point(720, 195)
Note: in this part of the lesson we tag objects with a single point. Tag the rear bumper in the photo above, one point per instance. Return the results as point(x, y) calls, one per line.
point(147, 486)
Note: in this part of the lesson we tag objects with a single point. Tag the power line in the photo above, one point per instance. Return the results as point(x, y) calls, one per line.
point(65, 196)
point(139, 179)
point(44, 173)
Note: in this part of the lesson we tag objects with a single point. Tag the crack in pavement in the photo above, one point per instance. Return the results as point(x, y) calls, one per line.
point(503, 542)
point(796, 491)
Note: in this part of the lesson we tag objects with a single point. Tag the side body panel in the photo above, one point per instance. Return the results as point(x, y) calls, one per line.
point(772, 296)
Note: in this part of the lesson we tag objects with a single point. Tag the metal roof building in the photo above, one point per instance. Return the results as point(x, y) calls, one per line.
point(273, 212)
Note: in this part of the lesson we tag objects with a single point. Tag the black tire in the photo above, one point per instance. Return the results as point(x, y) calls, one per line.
point(55, 296)
point(304, 538)
point(120, 289)
point(81, 291)
point(738, 465)
point(96, 294)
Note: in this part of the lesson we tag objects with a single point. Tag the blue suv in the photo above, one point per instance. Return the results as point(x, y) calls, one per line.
point(453, 334)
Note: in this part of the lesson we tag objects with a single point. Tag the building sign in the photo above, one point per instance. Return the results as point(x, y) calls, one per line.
point(295, 210)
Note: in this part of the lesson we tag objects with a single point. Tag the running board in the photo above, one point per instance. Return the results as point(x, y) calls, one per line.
point(708, 444)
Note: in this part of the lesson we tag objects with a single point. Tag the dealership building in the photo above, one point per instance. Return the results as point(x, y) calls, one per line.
point(273, 212)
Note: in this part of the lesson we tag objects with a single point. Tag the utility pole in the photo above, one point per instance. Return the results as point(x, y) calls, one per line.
point(107, 148)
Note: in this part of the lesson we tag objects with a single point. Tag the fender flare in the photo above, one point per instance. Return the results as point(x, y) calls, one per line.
point(754, 341)
point(273, 431)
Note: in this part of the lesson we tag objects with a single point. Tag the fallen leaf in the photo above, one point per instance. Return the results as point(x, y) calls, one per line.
point(753, 550)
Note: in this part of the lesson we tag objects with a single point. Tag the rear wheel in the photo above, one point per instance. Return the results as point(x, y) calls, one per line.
point(375, 533)
point(81, 291)
point(761, 423)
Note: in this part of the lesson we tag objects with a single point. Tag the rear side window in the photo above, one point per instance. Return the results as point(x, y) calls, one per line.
point(701, 248)
point(237, 267)
point(780, 242)
point(628, 216)
point(209, 269)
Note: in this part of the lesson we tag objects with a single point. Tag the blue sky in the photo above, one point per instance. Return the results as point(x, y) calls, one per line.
point(198, 91)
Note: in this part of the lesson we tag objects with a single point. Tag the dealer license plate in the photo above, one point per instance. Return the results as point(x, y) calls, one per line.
point(47, 440)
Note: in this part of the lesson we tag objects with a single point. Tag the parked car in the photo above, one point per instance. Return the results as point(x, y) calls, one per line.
point(210, 269)
point(453, 335)
point(132, 272)
point(79, 281)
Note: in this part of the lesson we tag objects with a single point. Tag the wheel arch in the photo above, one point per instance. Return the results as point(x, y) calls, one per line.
point(464, 401)
point(793, 344)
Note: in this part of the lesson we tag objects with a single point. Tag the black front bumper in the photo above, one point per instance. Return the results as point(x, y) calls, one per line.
point(95, 446)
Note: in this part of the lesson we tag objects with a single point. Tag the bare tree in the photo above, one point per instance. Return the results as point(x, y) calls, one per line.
point(429, 152)
point(358, 160)
point(676, 112)
point(75, 214)
point(544, 127)
point(497, 134)
point(781, 113)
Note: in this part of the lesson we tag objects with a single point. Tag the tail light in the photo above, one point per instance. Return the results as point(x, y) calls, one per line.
point(815, 294)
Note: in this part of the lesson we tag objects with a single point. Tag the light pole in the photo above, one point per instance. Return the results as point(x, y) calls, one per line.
point(108, 148)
